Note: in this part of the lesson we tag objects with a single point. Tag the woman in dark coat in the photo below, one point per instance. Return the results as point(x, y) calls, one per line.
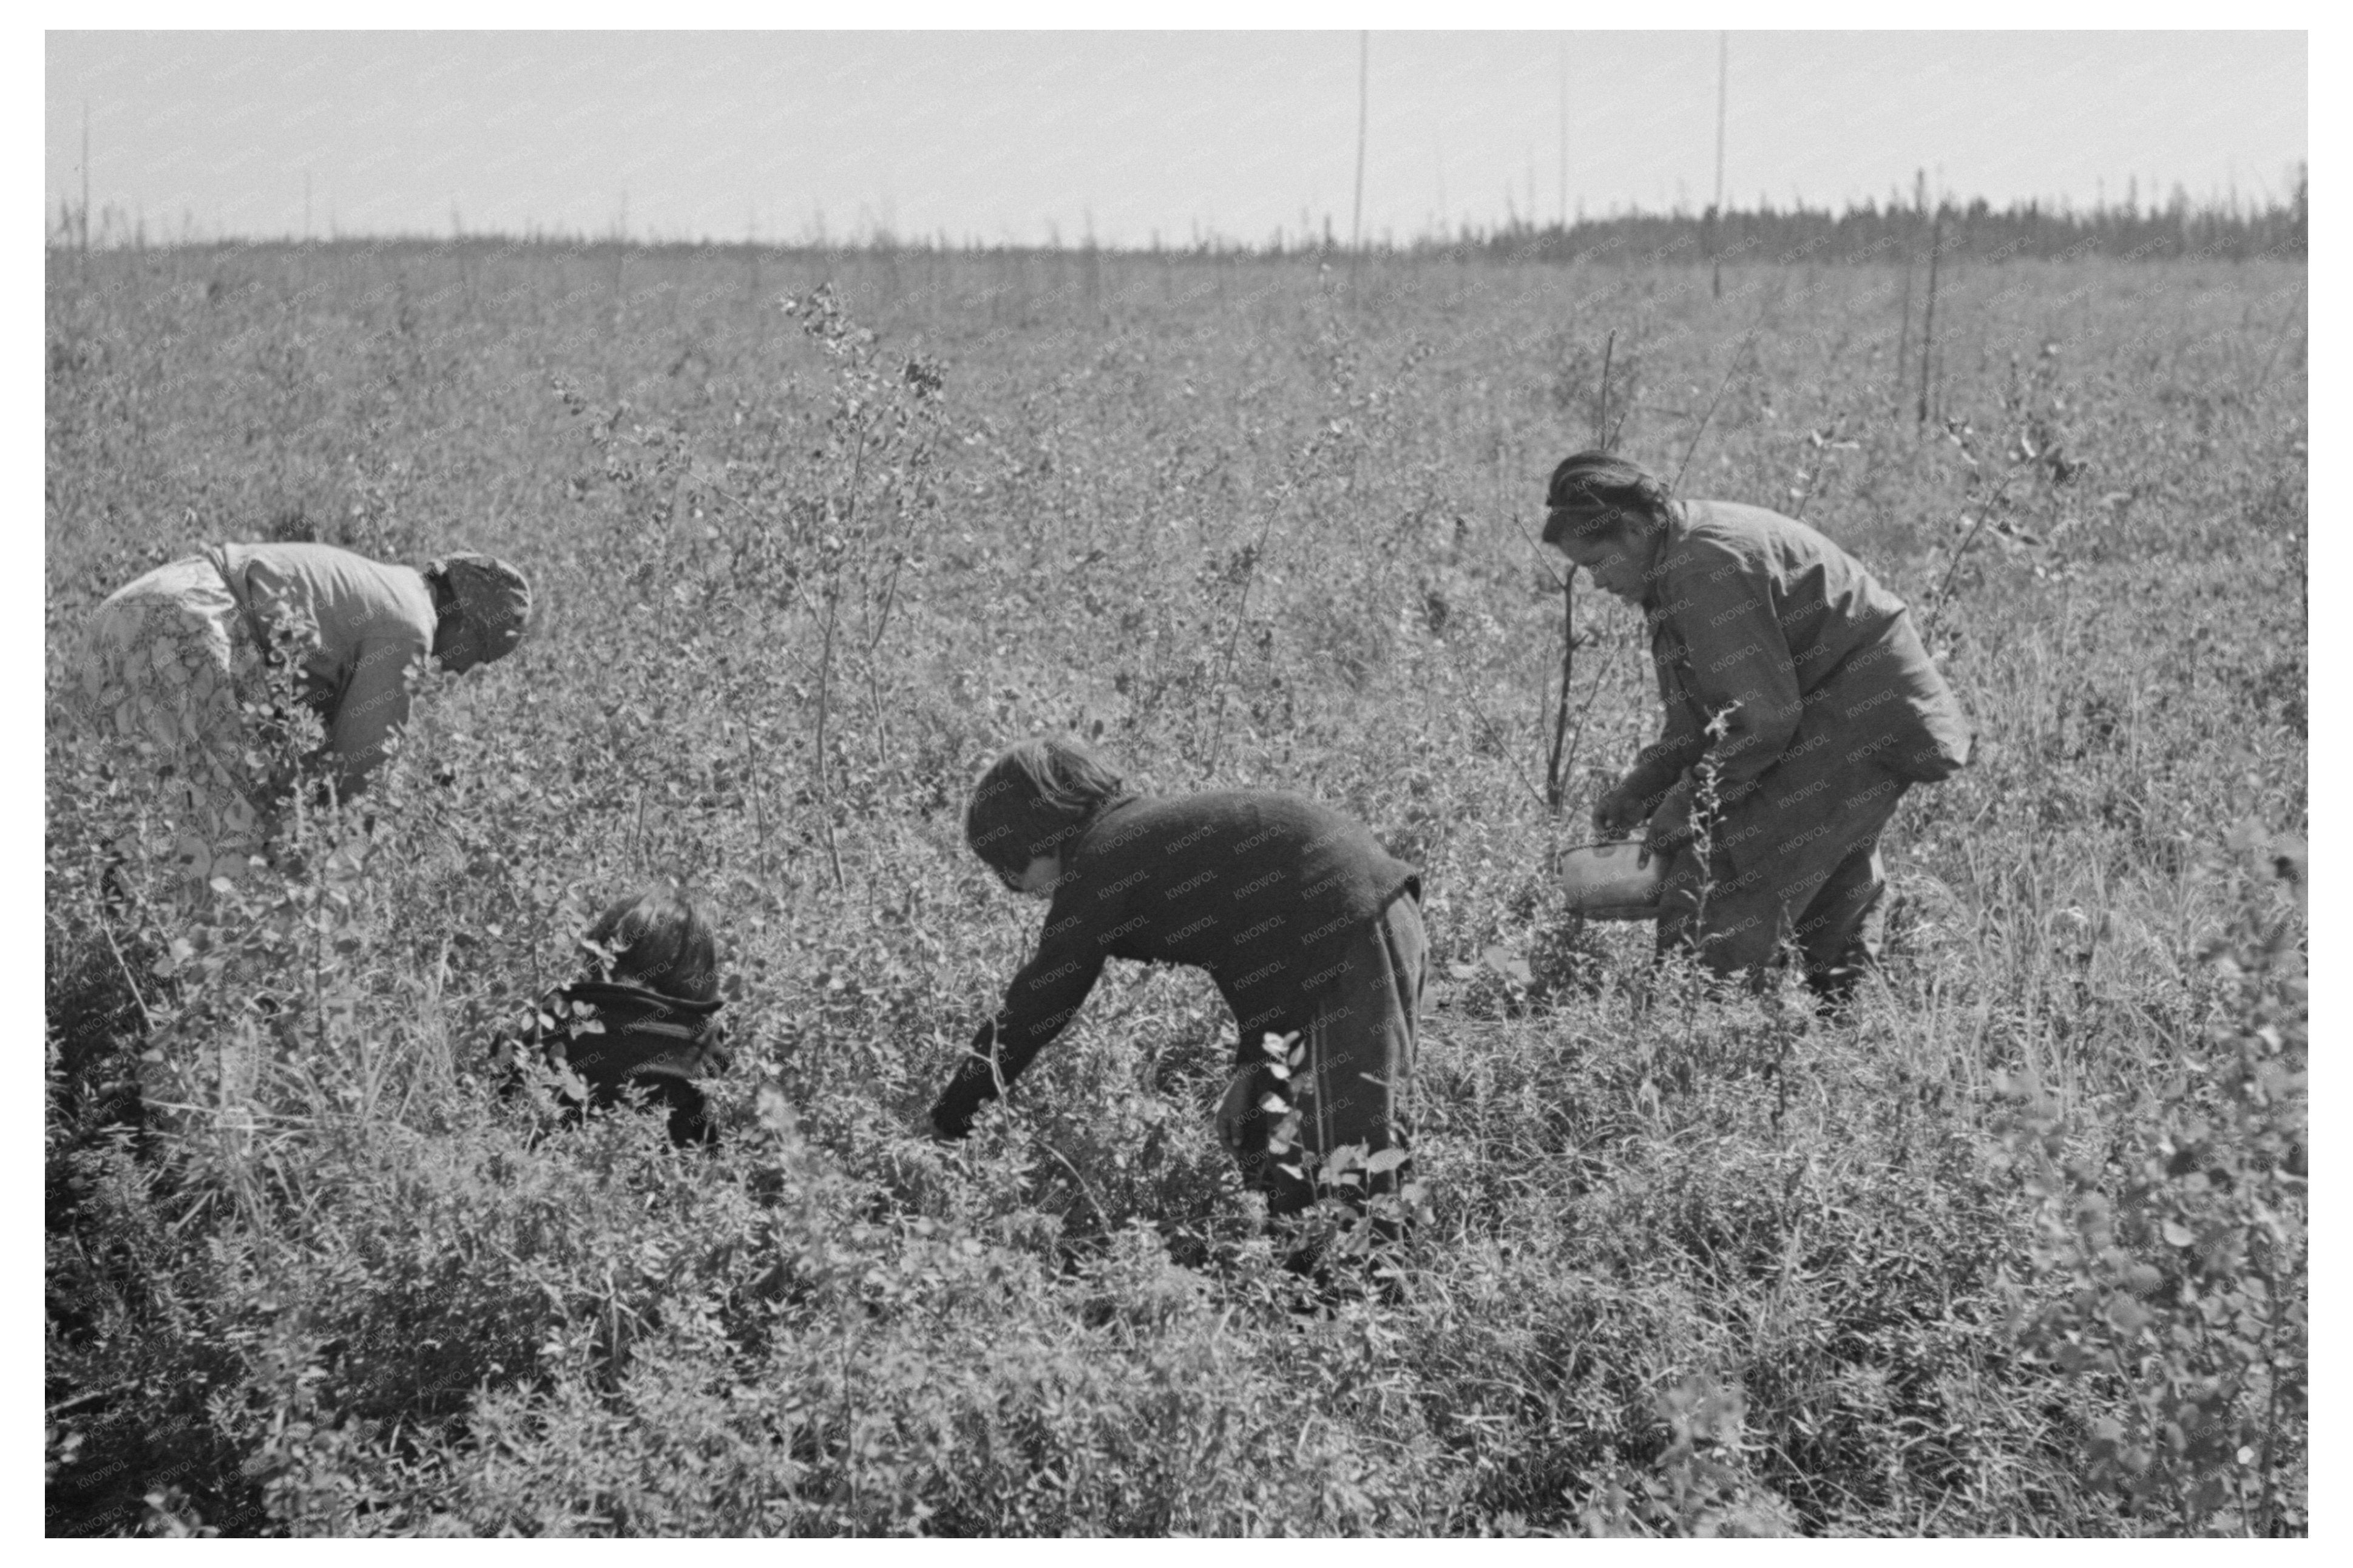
point(1792, 676)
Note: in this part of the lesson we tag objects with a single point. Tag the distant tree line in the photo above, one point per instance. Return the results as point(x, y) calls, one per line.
point(2229, 230)
point(1867, 232)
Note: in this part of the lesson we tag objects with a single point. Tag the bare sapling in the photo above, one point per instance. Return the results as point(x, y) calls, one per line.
point(1929, 313)
point(1706, 808)
point(1563, 752)
point(820, 773)
point(1558, 761)
point(1903, 342)
point(1747, 339)
point(2279, 340)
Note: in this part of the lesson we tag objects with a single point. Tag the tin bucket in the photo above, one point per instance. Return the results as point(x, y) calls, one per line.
point(1603, 882)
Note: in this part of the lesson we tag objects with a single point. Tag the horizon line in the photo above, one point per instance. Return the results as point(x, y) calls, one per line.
point(69, 230)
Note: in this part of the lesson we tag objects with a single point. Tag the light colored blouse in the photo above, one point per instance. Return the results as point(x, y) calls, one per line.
point(373, 621)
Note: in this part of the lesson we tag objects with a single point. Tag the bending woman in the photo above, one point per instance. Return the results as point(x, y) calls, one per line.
point(173, 657)
point(1799, 679)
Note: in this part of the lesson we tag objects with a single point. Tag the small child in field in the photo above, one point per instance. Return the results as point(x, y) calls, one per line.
point(1301, 918)
point(643, 1016)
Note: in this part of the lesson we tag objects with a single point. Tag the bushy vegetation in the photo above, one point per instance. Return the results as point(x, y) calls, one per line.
point(2017, 1246)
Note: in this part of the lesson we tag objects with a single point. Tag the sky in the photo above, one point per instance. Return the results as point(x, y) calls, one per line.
point(1033, 137)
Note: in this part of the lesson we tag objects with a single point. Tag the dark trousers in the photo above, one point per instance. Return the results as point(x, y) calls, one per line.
point(1811, 887)
point(687, 1108)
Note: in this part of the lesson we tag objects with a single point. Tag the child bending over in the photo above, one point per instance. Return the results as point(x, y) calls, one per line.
point(1304, 921)
point(643, 1017)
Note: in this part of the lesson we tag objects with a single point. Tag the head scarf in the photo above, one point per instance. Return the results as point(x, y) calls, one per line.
point(493, 597)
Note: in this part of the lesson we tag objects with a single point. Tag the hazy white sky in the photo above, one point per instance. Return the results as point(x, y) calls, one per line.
point(1008, 137)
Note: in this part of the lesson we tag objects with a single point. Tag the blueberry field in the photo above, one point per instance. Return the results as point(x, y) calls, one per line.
point(2018, 1246)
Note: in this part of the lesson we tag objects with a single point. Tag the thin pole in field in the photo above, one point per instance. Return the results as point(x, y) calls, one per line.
point(1723, 77)
point(1929, 313)
point(1601, 408)
point(1910, 254)
point(1563, 137)
point(1356, 219)
point(620, 246)
point(751, 253)
point(1903, 339)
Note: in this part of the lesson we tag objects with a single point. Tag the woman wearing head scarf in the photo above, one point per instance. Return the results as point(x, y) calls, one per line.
point(173, 657)
point(1794, 680)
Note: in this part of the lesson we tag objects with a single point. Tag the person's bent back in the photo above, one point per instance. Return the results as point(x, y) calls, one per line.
point(1304, 922)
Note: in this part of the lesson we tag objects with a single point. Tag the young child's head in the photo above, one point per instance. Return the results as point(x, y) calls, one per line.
point(1039, 797)
point(655, 937)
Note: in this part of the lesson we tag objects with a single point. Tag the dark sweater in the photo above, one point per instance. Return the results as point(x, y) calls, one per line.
point(642, 1034)
point(1263, 890)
